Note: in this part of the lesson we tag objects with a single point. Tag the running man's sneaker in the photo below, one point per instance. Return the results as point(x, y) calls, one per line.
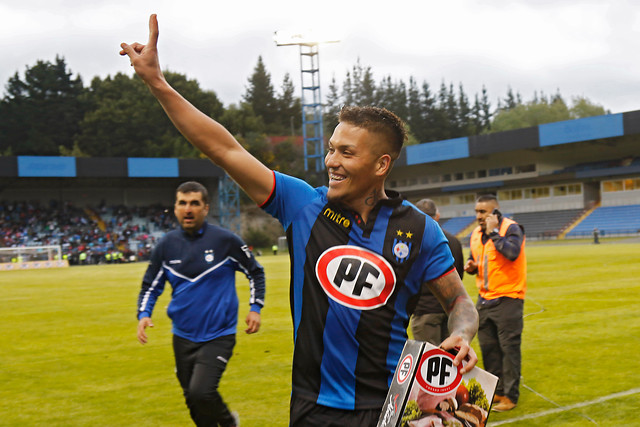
point(236, 419)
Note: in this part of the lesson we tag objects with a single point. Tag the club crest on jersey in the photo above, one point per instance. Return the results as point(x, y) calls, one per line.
point(208, 255)
point(355, 277)
point(402, 248)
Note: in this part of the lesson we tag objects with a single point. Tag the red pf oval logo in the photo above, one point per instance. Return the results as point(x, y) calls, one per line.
point(436, 373)
point(355, 277)
point(404, 368)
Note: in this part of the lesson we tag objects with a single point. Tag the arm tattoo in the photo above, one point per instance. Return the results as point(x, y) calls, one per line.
point(463, 317)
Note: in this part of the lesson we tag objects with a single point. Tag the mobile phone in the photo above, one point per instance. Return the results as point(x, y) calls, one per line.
point(497, 213)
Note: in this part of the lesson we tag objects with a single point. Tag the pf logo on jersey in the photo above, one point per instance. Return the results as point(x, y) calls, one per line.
point(355, 277)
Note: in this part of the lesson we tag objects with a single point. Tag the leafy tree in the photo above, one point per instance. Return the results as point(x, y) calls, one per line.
point(364, 86)
point(511, 101)
point(260, 95)
point(241, 120)
point(287, 158)
point(124, 120)
point(348, 90)
point(430, 114)
point(485, 110)
point(41, 113)
point(332, 107)
point(582, 107)
point(465, 119)
point(258, 145)
point(289, 107)
point(531, 114)
point(393, 96)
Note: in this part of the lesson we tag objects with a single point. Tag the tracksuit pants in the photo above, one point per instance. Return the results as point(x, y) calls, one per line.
point(199, 367)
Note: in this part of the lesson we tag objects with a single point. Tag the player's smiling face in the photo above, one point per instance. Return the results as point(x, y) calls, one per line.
point(190, 211)
point(352, 165)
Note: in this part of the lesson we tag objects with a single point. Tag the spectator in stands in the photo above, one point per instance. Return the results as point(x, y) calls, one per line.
point(429, 321)
point(499, 261)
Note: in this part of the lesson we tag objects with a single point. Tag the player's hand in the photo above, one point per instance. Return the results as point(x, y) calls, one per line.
point(253, 322)
point(471, 266)
point(465, 352)
point(144, 58)
point(142, 325)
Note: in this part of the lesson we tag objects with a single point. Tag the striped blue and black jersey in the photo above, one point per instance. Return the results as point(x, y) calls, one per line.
point(353, 288)
point(201, 269)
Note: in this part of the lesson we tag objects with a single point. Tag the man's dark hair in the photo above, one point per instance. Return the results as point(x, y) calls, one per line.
point(487, 198)
point(377, 120)
point(194, 187)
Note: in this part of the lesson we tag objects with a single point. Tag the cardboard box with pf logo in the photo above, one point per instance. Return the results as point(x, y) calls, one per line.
point(428, 390)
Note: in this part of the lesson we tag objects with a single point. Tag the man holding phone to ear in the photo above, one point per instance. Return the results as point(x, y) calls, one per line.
point(499, 262)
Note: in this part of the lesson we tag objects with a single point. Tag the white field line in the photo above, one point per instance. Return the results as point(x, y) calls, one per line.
point(568, 408)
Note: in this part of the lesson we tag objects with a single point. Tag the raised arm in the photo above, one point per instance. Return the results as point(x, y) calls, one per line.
point(463, 317)
point(209, 136)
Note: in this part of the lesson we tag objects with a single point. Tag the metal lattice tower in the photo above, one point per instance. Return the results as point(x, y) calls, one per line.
point(229, 204)
point(312, 125)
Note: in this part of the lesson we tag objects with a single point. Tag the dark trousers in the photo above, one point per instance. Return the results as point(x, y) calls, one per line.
point(500, 336)
point(199, 367)
point(430, 327)
point(305, 413)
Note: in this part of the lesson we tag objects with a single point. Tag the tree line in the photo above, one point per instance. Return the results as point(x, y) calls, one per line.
point(50, 111)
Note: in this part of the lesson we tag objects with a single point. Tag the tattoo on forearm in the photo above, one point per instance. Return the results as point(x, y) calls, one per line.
point(463, 317)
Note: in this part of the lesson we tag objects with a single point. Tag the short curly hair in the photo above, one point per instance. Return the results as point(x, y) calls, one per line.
point(377, 120)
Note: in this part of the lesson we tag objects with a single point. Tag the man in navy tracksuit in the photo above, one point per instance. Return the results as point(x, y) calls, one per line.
point(200, 261)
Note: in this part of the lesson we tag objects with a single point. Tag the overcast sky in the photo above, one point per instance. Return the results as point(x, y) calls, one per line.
point(587, 48)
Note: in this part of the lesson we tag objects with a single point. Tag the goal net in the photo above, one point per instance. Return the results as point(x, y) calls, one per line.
point(29, 257)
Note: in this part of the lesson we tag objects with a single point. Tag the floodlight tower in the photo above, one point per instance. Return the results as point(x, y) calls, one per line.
point(312, 123)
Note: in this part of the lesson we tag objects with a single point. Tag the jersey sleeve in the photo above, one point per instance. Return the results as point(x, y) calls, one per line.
point(288, 196)
point(153, 284)
point(438, 259)
point(248, 264)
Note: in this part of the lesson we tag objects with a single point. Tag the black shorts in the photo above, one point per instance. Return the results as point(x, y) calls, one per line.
point(305, 413)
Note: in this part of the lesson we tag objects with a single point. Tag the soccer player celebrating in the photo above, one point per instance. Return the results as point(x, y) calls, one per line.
point(359, 254)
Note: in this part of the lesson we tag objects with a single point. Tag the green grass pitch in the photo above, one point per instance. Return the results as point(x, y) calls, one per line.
point(69, 356)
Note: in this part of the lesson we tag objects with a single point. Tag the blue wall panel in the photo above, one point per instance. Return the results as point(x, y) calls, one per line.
point(46, 166)
point(581, 130)
point(449, 149)
point(140, 167)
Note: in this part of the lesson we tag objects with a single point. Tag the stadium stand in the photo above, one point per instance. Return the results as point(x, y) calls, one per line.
point(103, 234)
point(545, 225)
point(544, 177)
point(609, 220)
point(456, 225)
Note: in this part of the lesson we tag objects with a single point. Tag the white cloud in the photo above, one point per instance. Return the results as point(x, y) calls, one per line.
point(582, 47)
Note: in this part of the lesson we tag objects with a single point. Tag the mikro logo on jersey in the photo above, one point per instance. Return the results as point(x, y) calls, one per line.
point(404, 368)
point(355, 277)
point(436, 372)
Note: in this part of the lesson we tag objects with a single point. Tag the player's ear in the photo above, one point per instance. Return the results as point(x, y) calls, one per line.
point(383, 165)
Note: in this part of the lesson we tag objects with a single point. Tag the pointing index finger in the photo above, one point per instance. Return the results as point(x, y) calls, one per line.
point(153, 31)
